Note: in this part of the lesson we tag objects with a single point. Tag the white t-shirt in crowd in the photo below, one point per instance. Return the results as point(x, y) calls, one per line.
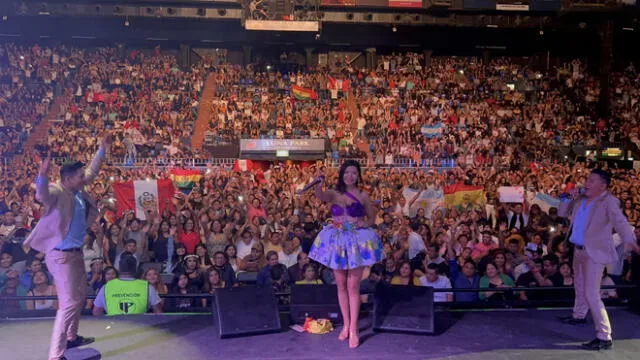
point(244, 249)
point(288, 260)
point(416, 244)
point(441, 283)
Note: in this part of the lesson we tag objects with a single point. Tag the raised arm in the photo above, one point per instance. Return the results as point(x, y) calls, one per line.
point(42, 183)
point(94, 168)
point(324, 195)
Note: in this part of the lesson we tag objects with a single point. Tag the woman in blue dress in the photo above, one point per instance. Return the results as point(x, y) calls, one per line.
point(348, 245)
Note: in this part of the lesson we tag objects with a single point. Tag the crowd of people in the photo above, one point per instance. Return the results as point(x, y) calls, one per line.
point(410, 108)
point(30, 77)
point(148, 101)
point(500, 120)
point(407, 110)
point(237, 228)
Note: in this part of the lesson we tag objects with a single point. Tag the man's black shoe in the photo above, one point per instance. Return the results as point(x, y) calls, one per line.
point(80, 341)
point(565, 318)
point(597, 345)
point(573, 321)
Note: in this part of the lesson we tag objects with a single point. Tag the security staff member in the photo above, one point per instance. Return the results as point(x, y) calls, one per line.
point(127, 295)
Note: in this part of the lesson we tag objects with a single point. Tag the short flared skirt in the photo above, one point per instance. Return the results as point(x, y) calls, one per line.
point(345, 247)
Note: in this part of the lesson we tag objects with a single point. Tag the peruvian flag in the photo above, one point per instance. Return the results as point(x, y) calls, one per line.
point(143, 195)
point(331, 83)
point(243, 165)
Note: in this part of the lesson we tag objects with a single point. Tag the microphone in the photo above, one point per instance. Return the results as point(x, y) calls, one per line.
point(567, 196)
point(315, 182)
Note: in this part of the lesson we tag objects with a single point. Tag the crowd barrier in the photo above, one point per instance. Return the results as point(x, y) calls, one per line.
point(163, 162)
point(443, 163)
point(511, 300)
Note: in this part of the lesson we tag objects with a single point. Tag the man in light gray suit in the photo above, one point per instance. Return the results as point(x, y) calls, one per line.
point(593, 216)
point(68, 213)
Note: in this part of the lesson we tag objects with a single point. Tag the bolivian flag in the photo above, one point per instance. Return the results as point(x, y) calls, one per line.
point(185, 179)
point(462, 195)
point(301, 93)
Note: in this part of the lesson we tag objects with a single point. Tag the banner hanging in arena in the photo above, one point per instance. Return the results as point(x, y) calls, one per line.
point(462, 195)
point(143, 195)
point(405, 3)
point(338, 2)
point(512, 5)
point(363, 3)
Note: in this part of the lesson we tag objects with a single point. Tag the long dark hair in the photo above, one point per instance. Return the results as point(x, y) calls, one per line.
point(341, 187)
point(207, 285)
point(207, 260)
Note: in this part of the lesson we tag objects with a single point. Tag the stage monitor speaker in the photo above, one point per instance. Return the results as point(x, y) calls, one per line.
point(316, 301)
point(403, 308)
point(246, 310)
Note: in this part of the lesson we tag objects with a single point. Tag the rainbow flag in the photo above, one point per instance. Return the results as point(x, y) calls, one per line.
point(301, 93)
point(185, 179)
point(462, 195)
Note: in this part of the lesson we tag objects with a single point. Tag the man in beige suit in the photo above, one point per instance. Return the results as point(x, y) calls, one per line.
point(68, 213)
point(593, 216)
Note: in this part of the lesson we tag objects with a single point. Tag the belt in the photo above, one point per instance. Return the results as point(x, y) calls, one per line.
point(76, 249)
point(579, 247)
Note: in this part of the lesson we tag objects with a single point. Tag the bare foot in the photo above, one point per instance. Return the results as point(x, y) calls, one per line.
point(354, 340)
point(344, 334)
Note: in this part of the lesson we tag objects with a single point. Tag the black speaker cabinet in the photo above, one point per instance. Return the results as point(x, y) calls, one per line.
point(246, 310)
point(316, 301)
point(404, 309)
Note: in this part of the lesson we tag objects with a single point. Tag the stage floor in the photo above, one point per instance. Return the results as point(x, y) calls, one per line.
point(513, 334)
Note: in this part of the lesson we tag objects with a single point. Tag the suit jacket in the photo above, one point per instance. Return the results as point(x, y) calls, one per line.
point(295, 273)
point(604, 216)
point(58, 210)
point(525, 217)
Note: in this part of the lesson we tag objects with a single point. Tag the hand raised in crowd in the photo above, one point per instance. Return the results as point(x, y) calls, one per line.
point(45, 166)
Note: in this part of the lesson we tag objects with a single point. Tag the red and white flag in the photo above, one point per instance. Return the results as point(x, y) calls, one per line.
point(143, 195)
point(243, 165)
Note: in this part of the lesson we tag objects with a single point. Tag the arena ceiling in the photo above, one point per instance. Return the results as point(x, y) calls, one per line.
point(220, 23)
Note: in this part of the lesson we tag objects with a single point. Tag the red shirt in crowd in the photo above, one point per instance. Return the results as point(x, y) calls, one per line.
point(190, 240)
point(253, 212)
point(481, 250)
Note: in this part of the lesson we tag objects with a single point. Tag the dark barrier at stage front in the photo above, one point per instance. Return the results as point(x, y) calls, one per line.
point(632, 297)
